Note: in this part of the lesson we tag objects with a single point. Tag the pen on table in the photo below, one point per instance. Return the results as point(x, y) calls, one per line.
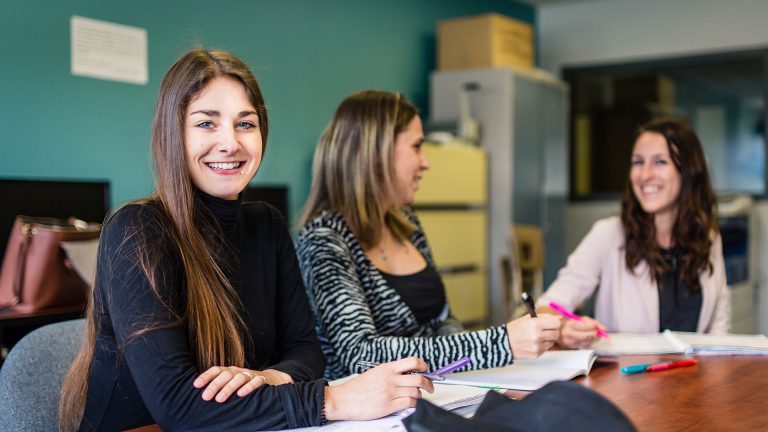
point(671, 365)
point(568, 314)
point(528, 301)
point(450, 367)
point(365, 365)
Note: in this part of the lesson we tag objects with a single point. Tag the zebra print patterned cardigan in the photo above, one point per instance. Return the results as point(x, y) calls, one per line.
point(360, 317)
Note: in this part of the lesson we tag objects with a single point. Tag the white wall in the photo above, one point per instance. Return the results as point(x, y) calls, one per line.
point(602, 31)
point(596, 32)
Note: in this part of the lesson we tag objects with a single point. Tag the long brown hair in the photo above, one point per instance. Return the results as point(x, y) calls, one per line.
point(353, 171)
point(211, 315)
point(696, 219)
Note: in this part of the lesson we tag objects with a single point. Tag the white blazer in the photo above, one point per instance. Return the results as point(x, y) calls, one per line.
point(628, 302)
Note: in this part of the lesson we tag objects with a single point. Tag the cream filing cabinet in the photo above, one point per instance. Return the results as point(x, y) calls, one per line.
point(452, 206)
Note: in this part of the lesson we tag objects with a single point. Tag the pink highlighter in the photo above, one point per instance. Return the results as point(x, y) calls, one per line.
point(568, 314)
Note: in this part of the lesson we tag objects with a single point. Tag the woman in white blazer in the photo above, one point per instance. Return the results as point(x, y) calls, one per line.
point(660, 264)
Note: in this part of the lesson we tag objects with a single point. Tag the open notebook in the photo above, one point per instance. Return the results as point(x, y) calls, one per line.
point(670, 342)
point(528, 374)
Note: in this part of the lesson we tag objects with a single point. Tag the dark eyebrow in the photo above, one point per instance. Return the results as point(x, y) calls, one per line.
point(210, 113)
point(214, 113)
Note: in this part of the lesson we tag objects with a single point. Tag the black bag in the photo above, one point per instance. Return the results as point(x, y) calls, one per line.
point(558, 406)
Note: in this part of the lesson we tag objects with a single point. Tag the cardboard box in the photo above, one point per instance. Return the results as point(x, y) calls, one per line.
point(482, 41)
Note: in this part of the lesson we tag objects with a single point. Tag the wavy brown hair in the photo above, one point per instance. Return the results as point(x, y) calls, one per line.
point(211, 313)
point(696, 220)
point(353, 171)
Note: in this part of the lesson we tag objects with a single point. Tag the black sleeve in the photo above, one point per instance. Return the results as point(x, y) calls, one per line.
point(299, 351)
point(159, 360)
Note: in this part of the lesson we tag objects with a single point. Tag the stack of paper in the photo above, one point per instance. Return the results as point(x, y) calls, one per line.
point(454, 397)
point(528, 374)
point(670, 342)
point(697, 343)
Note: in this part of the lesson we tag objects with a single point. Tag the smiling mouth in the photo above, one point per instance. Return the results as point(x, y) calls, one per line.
point(224, 166)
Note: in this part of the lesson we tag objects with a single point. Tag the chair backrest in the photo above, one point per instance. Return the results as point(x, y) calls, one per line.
point(31, 377)
point(528, 241)
point(526, 265)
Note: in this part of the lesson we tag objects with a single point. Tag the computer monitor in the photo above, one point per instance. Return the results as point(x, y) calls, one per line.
point(86, 200)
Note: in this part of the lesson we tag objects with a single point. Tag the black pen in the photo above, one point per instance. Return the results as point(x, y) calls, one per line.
point(528, 300)
point(365, 365)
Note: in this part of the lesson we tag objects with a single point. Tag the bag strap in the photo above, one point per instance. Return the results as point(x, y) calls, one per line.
point(27, 231)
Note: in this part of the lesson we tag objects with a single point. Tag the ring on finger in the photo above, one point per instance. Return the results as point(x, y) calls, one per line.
point(252, 376)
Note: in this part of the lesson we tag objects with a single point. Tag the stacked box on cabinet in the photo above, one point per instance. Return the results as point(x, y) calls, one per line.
point(482, 41)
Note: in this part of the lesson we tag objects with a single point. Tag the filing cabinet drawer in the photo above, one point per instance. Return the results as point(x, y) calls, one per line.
point(457, 238)
point(467, 295)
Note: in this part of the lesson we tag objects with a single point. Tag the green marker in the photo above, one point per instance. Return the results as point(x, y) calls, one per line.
point(635, 368)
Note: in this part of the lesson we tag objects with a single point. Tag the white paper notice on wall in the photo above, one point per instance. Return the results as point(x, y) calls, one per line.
point(109, 51)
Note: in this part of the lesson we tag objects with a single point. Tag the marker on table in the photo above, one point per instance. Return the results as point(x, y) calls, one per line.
point(528, 301)
point(671, 365)
point(365, 365)
point(658, 366)
point(568, 314)
point(633, 369)
point(450, 367)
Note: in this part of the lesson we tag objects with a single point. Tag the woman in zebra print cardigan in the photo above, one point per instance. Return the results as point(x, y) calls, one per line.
point(368, 269)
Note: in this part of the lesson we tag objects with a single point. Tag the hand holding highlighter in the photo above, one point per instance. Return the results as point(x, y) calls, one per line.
point(451, 367)
point(568, 314)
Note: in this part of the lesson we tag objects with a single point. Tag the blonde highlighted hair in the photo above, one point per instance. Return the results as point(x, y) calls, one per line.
point(353, 170)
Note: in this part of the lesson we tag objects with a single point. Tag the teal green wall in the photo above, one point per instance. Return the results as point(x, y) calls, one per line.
point(307, 54)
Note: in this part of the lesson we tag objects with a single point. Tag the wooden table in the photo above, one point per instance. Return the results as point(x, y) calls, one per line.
point(721, 393)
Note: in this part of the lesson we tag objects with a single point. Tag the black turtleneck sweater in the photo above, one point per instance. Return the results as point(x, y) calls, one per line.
point(140, 380)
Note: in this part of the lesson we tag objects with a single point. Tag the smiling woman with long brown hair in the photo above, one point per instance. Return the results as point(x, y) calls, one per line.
point(198, 319)
point(660, 265)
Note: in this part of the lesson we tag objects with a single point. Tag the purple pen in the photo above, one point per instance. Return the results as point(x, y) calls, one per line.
point(450, 367)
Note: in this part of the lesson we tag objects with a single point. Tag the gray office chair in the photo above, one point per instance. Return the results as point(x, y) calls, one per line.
point(31, 377)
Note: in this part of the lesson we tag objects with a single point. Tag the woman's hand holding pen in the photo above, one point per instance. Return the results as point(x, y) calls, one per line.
point(576, 331)
point(221, 382)
point(578, 334)
point(529, 337)
point(378, 392)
